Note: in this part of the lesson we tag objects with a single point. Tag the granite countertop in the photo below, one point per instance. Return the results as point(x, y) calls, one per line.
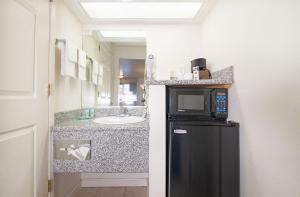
point(190, 82)
point(89, 125)
point(224, 76)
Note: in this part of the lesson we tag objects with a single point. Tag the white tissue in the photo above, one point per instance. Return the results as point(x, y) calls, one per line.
point(84, 152)
point(79, 153)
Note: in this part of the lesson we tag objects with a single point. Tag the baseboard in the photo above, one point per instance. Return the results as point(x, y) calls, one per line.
point(114, 179)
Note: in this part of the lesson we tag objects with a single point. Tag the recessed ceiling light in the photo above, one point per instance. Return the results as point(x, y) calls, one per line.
point(141, 10)
point(123, 34)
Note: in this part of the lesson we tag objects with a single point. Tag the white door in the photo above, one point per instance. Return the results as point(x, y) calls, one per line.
point(24, 47)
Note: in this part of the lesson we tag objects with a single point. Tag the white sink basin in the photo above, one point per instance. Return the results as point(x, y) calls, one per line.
point(119, 119)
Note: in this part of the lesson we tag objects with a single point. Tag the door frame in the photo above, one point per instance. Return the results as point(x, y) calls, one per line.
point(51, 68)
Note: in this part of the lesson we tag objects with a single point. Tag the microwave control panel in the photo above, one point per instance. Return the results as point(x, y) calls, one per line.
point(221, 102)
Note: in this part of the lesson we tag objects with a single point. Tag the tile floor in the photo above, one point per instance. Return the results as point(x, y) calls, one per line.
point(112, 192)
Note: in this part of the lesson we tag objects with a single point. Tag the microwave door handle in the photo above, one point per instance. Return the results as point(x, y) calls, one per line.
point(180, 131)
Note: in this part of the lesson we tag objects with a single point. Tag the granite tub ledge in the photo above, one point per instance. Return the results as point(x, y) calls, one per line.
point(220, 77)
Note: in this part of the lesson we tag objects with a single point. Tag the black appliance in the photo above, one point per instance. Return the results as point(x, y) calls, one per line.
point(200, 63)
point(197, 103)
point(202, 150)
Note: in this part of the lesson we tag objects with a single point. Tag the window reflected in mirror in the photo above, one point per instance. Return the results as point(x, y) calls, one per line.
point(131, 87)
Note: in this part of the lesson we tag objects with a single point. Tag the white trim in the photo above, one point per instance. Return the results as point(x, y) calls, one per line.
point(157, 141)
point(114, 179)
point(51, 80)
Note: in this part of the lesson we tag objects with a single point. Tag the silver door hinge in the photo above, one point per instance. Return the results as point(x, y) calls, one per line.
point(50, 186)
point(50, 89)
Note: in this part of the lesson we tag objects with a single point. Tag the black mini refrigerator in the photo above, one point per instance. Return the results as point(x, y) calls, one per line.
point(202, 154)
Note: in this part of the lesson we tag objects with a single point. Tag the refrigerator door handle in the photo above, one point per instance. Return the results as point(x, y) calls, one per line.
point(180, 131)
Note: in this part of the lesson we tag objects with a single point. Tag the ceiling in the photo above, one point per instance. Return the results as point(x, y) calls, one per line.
point(121, 40)
point(92, 26)
point(77, 9)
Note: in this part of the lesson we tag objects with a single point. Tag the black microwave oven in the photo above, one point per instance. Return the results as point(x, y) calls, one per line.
point(197, 103)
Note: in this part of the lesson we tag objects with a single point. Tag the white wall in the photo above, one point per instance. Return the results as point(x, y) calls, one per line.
point(67, 89)
point(126, 52)
point(261, 39)
point(89, 90)
point(173, 45)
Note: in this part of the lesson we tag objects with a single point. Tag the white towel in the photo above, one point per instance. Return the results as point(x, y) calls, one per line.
point(95, 72)
point(101, 66)
point(95, 67)
point(81, 58)
point(100, 80)
point(95, 79)
point(81, 64)
point(68, 58)
point(71, 51)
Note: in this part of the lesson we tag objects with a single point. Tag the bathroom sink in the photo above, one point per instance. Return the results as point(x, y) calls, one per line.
point(119, 119)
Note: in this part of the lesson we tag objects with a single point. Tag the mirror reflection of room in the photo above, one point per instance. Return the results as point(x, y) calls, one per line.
point(131, 81)
point(117, 66)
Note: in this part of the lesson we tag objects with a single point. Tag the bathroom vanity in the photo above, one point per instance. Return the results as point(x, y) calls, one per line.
point(115, 148)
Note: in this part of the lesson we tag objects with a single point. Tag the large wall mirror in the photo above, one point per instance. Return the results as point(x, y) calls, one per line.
point(117, 61)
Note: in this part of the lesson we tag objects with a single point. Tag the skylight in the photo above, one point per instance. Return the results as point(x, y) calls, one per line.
point(141, 10)
point(122, 34)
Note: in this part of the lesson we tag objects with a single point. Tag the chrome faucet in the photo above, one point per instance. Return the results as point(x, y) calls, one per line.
point(123, 109)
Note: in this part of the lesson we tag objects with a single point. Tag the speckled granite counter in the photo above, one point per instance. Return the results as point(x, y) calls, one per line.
point(115, 148)
point(224, 76)
point(89, 125)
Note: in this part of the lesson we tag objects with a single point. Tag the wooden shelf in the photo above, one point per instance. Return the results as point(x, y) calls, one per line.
point(226, 86)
